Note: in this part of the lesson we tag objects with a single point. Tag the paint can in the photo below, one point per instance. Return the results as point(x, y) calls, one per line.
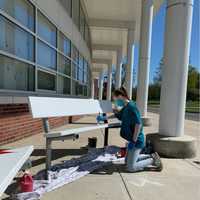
point(92, 142)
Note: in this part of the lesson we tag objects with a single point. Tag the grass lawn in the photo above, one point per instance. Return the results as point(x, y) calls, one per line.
point(191, 106)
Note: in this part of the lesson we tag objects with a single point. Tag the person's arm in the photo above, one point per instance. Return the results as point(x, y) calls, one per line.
point(138, 123)
point(101, 118)
point(136, 132)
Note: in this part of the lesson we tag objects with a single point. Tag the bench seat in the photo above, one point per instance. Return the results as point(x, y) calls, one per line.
point(75, 131)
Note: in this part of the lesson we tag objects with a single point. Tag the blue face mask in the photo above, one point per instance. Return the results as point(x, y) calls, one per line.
point(120, 103)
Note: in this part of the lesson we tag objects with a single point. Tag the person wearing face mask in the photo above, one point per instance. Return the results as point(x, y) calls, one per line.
point(132, 131)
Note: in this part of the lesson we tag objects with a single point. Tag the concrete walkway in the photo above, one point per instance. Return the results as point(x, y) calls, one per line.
point(180, 179)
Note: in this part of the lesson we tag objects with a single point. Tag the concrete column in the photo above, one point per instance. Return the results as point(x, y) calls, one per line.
point(144, 57)
point(109, 82)
point(119, 69)
point(171, 141)
point(129, 66)
point(101, 86)
point(92, 88)
point(175, 71)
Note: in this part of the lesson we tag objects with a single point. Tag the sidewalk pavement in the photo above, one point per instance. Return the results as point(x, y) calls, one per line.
point(180, 179)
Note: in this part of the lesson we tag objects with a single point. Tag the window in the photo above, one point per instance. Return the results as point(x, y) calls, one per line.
point(64, 85)
point(82, 22)
point(67, 4)
point(75, 54)
point(16, 75)
point(80, 69)
point(16, 41)
point(74, 71)
point(73, 87)
point(46, 55)
point(75, 12)
point(46, 81)
point(21, 10)
point(64, 65)
point(46, 30)
point(85, 91)
point(79, 89)
point(64, 45)
point(86, 72)
point(59, 66)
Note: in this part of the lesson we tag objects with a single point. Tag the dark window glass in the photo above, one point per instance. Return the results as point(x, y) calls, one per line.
point(46, 55)
point(21, 10)
point(16, 75)
point(82, 22)
point(46, 81)
point(64, 45)
point(79, 89)
point(64, 65)
point(64, 85)
point(80, 75)
point(16, 41)
point(74, 71)
point(67, 4)
point(46, 30)
point(80, 69)
point(85, 90)
point(75, 11)
point(75, 54)
point(73, 87)
point(86, 72)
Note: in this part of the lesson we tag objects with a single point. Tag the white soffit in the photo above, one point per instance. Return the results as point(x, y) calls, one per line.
point(117, 11)
point(103, 54)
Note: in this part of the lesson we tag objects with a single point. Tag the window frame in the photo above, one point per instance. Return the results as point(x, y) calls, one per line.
point(34, 63)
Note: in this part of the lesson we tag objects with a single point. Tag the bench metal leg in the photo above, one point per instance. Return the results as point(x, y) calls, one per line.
point(106, 137)
point(48, 154)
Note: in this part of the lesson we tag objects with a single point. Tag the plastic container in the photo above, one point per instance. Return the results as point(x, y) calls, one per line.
point(26, 183)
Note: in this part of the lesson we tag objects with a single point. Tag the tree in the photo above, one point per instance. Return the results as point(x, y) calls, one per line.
point(157, 77)
point(193, 84)
point(193, 78)
point(193, 88)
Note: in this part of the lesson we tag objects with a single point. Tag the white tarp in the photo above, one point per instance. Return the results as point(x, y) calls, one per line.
point(70, 171)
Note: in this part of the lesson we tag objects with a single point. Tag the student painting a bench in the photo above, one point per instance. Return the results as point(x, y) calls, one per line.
point(46, 107)
point(131, 125)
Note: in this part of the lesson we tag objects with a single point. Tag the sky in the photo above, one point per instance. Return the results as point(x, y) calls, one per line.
point(158, 40)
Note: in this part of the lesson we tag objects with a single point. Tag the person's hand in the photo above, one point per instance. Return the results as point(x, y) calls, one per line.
point(131, 145)
point(101, 118)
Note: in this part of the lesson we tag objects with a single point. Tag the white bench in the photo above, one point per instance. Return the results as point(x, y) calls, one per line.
point(11, 162)
point(45, 107)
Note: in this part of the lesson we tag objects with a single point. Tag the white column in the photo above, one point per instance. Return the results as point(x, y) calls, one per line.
point(109, 82)
point(175, 71)
point(101, 86)
point(119, 69)
point(92, 88)
point(144, 56)
point(129, 66)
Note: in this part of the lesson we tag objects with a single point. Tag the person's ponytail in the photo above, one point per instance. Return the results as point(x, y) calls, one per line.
point(121, 91)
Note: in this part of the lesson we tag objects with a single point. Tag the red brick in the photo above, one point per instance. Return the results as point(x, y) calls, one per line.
point(16, 123)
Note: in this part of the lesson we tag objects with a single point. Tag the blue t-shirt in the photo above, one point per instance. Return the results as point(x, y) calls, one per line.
point(130, 116)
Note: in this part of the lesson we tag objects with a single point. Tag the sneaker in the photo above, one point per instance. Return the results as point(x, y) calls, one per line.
point(157, 161)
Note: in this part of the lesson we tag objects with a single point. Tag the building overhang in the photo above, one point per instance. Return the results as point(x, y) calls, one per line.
point(110, 20)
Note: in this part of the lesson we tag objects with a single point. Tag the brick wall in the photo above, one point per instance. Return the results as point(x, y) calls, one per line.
point(16, 123)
